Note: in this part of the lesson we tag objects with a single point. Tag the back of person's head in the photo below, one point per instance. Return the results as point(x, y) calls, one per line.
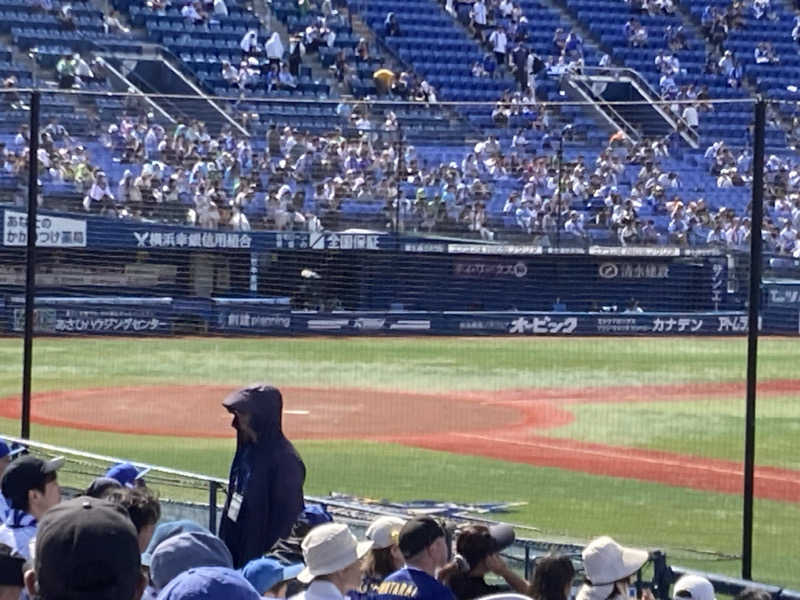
point(11, 573)
point(186, 551)
point(552, 578)
point(165, 531)
point(474, 543)
point(143, 508)
point(753, 594)
point(100, 487)
point(270, 577)
point(209, 583)
point(693, 587)
point(86, 548)
point(385, 556)
point(417, 535)
point(608, 566)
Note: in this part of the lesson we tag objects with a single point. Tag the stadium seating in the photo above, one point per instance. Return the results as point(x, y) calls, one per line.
point(439, 48)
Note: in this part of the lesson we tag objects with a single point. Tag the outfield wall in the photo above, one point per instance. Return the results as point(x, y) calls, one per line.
point(164, 316)
point(361, 270)
point(109, 276)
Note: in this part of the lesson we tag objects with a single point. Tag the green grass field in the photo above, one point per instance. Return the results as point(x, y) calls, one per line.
point(560, 503)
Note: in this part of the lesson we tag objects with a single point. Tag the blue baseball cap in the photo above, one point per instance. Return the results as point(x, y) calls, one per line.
point(125, 473)
point(264, 573)
point(164, 531)
point(209, 583)
point(14, 449)
point(186, 551)
point(315, 514)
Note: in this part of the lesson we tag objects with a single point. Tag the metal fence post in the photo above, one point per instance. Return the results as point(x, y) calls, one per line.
point(212, 506)
point(30, 265)
point(752, 336)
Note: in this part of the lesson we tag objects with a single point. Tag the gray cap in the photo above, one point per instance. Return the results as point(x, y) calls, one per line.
point(187, 551)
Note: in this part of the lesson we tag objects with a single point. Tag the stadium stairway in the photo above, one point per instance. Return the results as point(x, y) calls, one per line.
point(771, 80)
point(605, 20)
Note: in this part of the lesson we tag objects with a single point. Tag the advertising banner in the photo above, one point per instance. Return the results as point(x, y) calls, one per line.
point(51, 231)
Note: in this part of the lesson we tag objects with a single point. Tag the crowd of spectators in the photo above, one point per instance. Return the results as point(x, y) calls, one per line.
point(110, 543)
point(505, 32)
point(299, 182)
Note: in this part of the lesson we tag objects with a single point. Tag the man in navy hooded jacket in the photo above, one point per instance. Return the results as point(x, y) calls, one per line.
point(265, 488)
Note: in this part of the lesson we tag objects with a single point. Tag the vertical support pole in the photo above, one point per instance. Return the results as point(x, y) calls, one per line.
point(30, 265)
point(401, 169)
point(560, 157)
point(752, 337)
point(527, 562)
point(212, 506)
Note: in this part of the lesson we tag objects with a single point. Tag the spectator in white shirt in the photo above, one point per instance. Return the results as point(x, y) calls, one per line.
point(112, 24)
point(229, 73)
point(238, 220)
point(716, 235)
point(249, 43)
point(478, 16)
point(274, 49)
point(193, 12)
point(220, 8)
point(690, 116)
point(499, 42)
point(100, 195)
point(786, 239)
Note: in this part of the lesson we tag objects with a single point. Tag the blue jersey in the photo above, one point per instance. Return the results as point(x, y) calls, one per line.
point(411, 583)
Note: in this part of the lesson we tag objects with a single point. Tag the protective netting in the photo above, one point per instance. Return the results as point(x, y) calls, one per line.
point(585, 269)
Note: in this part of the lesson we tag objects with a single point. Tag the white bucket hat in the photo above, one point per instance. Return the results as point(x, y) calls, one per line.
point(384, 531)
point(693, 587)
point(329, 548)
point(605, 561)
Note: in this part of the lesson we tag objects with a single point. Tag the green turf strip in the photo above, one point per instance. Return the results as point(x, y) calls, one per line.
point(708, 427)
point(561, 503)
point(412, 363)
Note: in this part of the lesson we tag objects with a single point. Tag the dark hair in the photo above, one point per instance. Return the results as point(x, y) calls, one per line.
point(141, 503)
point(753, 594)
point(378, 563)
point(551, 576)
point(20, 499)
point(473, 544)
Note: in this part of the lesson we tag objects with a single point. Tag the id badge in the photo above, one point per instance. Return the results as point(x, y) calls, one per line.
point(235, 506)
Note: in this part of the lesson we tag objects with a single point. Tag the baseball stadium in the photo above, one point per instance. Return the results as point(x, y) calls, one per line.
point(497, 256)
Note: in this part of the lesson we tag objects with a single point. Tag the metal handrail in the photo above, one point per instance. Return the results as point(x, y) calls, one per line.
point(605, 108)
point(650, 94)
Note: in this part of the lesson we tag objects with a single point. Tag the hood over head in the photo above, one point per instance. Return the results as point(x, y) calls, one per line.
point(264, 404)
